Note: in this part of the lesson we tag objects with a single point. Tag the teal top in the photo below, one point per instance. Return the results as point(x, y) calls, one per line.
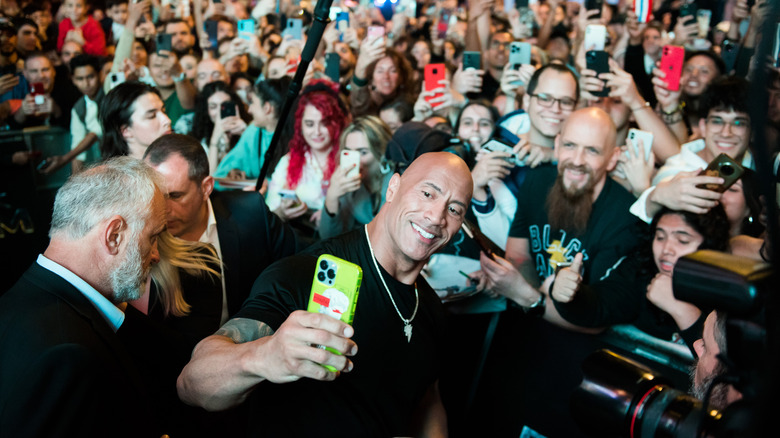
point(244, 156)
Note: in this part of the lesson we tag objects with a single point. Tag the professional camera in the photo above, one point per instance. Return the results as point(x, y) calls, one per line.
point(619, 397)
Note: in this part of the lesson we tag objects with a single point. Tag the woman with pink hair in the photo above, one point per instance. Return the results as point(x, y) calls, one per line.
point(299, 182)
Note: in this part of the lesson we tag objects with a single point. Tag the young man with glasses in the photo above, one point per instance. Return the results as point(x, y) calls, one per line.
point(725, 128)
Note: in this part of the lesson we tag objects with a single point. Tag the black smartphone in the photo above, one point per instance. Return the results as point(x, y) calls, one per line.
point(593, 5)
point(724, 167)
point(472, 60)
point(521, 4)
point(163, 42)
point(210, 27)
point(688, 10)
point(227, 109)
point(598, 61)
point(332, 70)
point(9, 69)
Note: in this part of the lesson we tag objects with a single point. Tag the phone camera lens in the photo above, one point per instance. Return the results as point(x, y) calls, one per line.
point(321, 276)
point(323, 265)
point(331, 274)
point(727, 170)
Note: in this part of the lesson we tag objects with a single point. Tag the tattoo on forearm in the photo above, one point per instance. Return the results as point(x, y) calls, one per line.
point(242, 330)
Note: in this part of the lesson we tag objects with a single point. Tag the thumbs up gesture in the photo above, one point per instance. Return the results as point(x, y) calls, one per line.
point(567, 281)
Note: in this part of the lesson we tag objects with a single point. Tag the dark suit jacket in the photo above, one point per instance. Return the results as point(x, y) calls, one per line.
point(251, 238)
point(64, 371)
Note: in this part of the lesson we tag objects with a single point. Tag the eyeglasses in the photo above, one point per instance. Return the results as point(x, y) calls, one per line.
point(547, 101)
point(498, 45)
point(737, 126)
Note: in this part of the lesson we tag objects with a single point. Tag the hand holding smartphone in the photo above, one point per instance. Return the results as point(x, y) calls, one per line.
point(334, 291)
point(724, 167)
point(672, 59)
point(227, 109)
point(598, 61)
point(434, 74)
point(350, 160)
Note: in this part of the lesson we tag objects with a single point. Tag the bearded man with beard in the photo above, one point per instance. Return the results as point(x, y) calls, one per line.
point(65, 371)
point(573, 213)
point(707, 366)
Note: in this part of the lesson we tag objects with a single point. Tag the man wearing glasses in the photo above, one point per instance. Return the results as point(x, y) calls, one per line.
point(725, 128)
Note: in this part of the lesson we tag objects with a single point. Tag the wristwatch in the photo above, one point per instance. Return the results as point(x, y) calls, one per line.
point(537, 308)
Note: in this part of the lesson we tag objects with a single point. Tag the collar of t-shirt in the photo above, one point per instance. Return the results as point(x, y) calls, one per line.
point(113, 316)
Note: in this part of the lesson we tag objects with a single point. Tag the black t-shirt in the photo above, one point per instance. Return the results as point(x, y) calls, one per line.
point(611, 231)
point(390, 376)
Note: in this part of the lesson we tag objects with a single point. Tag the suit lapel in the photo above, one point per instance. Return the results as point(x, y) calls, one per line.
point(229, 244)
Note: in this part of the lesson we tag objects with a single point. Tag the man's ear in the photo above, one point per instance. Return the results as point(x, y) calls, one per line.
point(113, 234)
point(125, 131)
point(392, 187)
point(613, 160)
point(207, 186)
point(703, 127)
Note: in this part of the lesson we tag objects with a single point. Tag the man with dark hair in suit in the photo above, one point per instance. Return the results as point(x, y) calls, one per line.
point(64, 370)
point(246, 236)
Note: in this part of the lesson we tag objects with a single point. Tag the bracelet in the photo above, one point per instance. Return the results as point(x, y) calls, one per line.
point(646, 105)
point(676, 109)
point(359, 82)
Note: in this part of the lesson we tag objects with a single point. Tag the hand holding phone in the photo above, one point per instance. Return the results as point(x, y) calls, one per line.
point(434, 74)
point(227, 109)
point(598, 61)
point(672, 59)
point(334, 291)
point(350, 160)
point(724, 167)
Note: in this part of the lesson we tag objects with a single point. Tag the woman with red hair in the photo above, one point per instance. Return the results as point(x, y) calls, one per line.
point(300, 180)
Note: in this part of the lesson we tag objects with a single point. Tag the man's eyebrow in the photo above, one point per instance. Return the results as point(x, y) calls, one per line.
point(433, 186)
point(684, 233)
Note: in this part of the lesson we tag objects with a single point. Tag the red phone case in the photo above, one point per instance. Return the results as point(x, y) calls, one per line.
point(672, 64)
point(37, 88)
point(434, 73)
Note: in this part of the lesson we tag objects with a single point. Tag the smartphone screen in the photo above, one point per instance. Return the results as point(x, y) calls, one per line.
point(332, 70)
point(227, 109)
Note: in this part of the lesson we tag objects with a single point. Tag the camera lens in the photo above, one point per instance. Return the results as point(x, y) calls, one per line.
point(321, 276)
point(331, 274)
point(323, 265)
point(727, 170)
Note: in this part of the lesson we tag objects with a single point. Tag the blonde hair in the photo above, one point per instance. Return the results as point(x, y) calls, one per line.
point(195, 258)
point(376, 131)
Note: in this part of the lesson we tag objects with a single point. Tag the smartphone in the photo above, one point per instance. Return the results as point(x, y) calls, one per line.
point(598, 61)
point(672, 59)
point(288, 194)
point(497, 145)
point(227, 109)
point(520, 4)
point(348, 160)
point(334, 290)
point(728, 53)
point(688, 9)
point(444, 23)
point(42, 165)
point(210, 26)
point(334, 12)
point(595, 5)
point(724, 167)
point(376, 31)
point(342, 21)
point(634, 135)
point(294, 28)
point(434, 73)
point(472, 60)
point(332, 70)
point(485, 244)
point(116, 79)
point(163, 41)
point(37, 91)
point(519, 54)
point(776, 47)
point(246, 28)
point(643, 10)
point(595, 37)
point(703, 17)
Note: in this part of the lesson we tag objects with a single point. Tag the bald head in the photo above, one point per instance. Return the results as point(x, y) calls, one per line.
point(210, 70)
point(599, 122)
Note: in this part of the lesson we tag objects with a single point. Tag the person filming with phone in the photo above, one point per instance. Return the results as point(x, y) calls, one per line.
point(388, 360)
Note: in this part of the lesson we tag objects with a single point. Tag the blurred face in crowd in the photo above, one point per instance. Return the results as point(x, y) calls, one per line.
point(697, 74)
point(476, 125)
point(558, 48)
point(391, 117)
point(347, 57)
point(139, 56)
point(498, 51)
point(26, 39)
point(237, 64)
point(651, 42)
point(673, 239)
point(262, 112)
point(147, 123)
point(242, 87)
point(40, 69)
point(386, 76)
point(277, 68)
point(215, 103)
point(421, 53)
point(190, 66)
point(69, 50)
point(314, 130)
point(42, 18)
point(210, 70)
point(725, 132)
point(547, 116)
point(542, 12)
point(735, 205)
point(186, 201)
point(358, 142)
point(182, 39)
point(76, 10)
point(7, 42)
point(86, 79)
point(160, 74)
point(586, 151)
point(225, 29)
point(118, 13)
point(617, 110)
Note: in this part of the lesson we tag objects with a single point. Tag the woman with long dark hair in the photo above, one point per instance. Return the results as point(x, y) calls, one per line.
point(133, 117)
point(217, 134)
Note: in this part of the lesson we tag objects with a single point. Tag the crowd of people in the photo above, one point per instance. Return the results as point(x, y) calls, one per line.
point(174, 285)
